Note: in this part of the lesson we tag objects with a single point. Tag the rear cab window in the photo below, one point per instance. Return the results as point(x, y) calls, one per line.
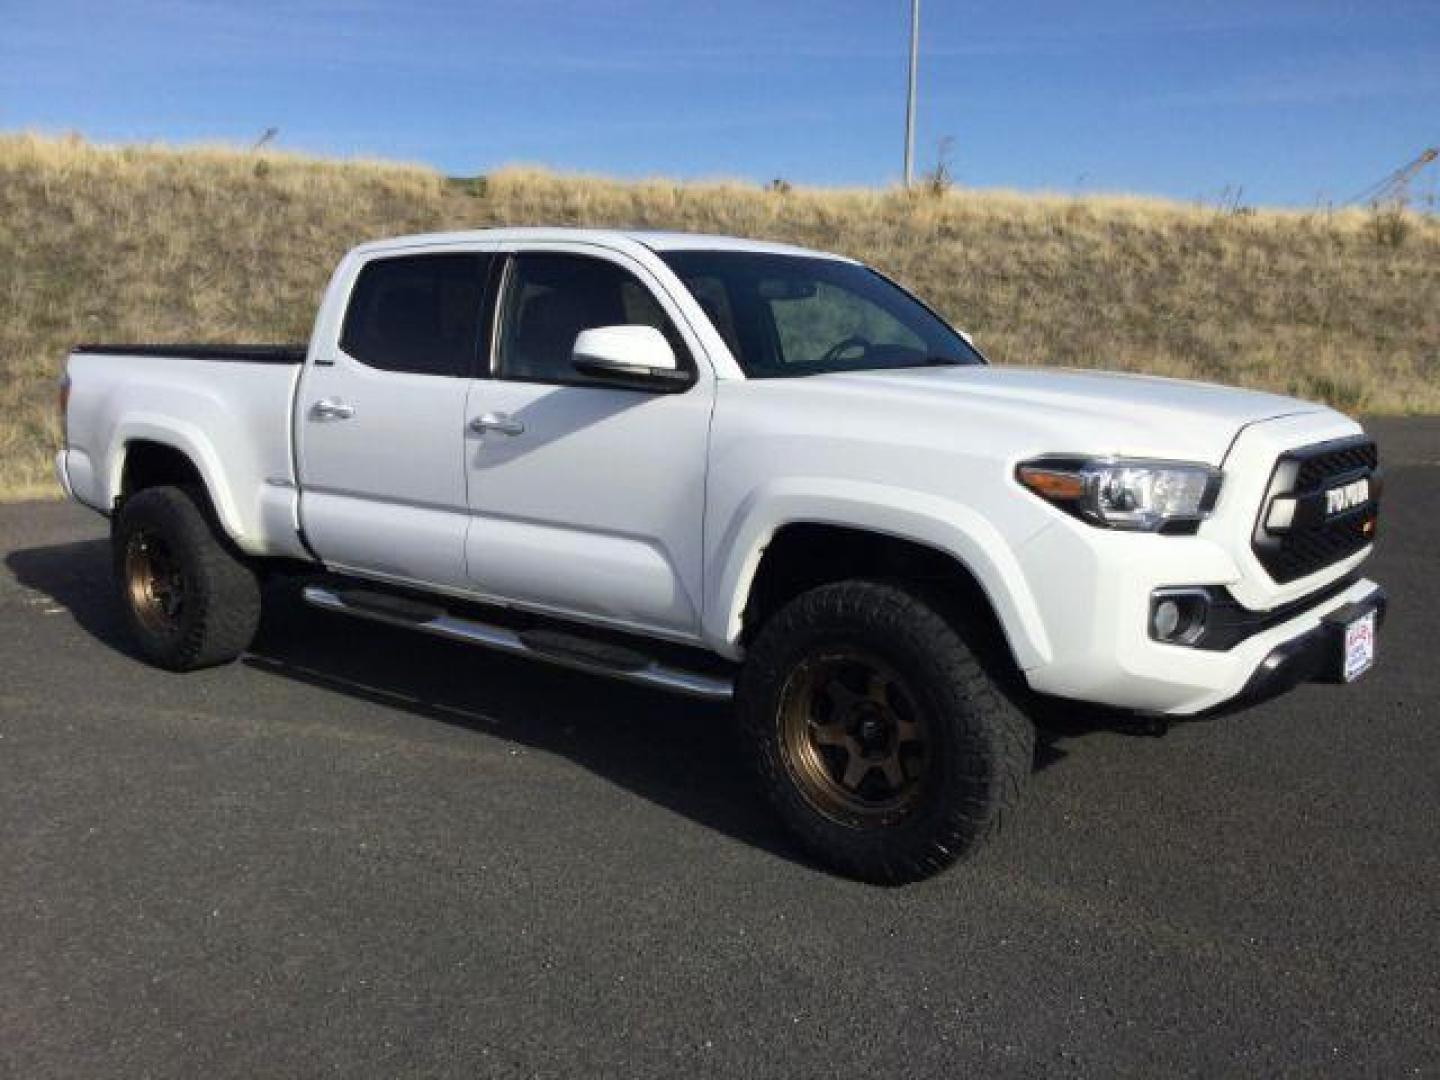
point(418, 314)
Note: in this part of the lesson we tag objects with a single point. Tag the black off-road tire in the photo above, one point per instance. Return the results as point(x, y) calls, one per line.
point(217, 618)
point(980, 746)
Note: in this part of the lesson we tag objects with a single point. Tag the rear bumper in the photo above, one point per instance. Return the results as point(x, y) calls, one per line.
point(62, 474)
point(75, 475)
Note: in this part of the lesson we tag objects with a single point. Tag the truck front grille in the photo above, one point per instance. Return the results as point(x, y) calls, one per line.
point(1317, 534)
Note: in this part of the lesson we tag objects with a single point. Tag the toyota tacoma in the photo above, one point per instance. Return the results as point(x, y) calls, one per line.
point(734, 469)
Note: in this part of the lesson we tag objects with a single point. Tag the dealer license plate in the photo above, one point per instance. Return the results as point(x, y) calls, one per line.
point(1359, 654)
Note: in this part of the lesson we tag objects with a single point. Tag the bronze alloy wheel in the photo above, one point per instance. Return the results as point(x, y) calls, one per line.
point(853, 737)
point(154, 581)
point(190, 599)
point(886, 748)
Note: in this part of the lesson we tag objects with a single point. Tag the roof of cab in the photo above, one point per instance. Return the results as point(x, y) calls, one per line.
point(654, 240)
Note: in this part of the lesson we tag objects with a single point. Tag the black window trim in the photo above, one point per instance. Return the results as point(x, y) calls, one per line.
point(482, 364)
point(503, 283)
point(488, 366)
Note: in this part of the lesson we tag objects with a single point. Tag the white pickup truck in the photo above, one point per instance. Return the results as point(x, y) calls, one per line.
point(723, 467)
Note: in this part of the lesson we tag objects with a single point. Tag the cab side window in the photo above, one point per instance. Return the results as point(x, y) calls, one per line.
point(551, 297)
point(419, 314)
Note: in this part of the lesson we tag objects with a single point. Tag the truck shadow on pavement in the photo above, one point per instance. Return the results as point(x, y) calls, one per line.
point(678, 753)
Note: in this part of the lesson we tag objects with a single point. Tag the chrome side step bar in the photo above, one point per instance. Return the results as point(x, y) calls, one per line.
point(553, 648)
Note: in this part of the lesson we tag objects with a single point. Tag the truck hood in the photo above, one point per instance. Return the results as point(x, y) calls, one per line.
point(1090, 411)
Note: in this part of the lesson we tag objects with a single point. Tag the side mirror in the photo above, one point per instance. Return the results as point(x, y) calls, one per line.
point(637, 357)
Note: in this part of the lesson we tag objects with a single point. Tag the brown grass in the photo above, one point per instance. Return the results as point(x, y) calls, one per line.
point(150, 243)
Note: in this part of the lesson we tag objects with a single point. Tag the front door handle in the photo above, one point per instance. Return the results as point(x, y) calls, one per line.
point(331, 409)
point(500, 423)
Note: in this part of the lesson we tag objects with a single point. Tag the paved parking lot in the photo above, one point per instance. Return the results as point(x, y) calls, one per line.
point(361, 852)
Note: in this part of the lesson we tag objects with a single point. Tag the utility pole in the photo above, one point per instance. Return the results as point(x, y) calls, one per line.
point(910, 100)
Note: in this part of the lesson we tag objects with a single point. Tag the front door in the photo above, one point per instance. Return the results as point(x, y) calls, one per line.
point(585, 499)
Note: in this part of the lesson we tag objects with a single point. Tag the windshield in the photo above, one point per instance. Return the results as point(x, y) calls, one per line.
point(787, 315)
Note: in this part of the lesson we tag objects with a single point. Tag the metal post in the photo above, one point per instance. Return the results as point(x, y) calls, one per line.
point(910, 100)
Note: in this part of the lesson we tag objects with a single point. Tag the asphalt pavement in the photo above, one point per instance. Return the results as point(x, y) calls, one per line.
point(360, 852)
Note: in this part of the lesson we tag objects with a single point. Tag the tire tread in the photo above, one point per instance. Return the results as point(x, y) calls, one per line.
point(991, 741)
point(224, 592)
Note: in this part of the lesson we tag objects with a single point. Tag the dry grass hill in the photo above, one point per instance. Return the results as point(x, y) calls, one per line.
point(147, 243)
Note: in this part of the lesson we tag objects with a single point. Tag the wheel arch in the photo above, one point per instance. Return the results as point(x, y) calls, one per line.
point(806, 540)
point(151, 455)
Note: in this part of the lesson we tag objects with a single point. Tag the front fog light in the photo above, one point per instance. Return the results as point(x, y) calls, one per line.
point(1177, 617)
point(1167, 619)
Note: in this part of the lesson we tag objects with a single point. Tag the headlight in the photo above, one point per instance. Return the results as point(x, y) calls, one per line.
point(1145, 496)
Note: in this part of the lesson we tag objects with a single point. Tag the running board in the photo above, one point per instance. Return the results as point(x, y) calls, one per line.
point(553, 647)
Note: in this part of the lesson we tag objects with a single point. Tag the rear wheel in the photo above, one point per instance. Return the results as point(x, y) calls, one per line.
point(884, 745)
point(189, 599)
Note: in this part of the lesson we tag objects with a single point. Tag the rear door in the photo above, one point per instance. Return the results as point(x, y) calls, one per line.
point(586, 499)
point(380, 418)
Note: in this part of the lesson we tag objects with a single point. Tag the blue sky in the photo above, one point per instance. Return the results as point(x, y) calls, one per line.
point(1292, 101)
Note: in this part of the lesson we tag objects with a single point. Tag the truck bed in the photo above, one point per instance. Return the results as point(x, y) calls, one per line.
point(249, 354)
point(230, 419)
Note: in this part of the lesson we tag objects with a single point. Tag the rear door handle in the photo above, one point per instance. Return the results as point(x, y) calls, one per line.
point(500, 423)
point(331, 409)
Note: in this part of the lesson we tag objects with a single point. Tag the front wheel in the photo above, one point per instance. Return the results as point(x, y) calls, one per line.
point(886, 748)
point(189, 599)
